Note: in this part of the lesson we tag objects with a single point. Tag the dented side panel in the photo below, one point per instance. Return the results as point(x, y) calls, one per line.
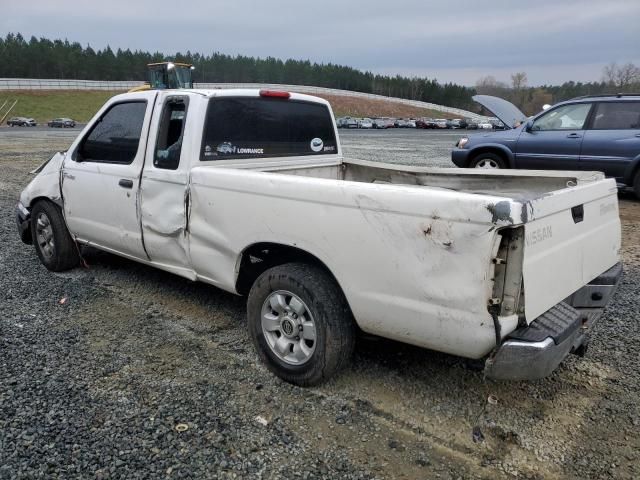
point(46, 183)
point(413, 263)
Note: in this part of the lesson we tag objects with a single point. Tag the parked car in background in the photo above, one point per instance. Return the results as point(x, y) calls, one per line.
point(411, 123)
point(382, 123)
point(346, 122)
point(599, 133)
point(454, 123)
point(62, 123)
point(485, 125)
point(365, 123)
point(471, 124)
point(441, 123)
point(426, 123)
point(21, 122)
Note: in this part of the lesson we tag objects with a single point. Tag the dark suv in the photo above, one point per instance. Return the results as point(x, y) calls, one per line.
point(588, 133)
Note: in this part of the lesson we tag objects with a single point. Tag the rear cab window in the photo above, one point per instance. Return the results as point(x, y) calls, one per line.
point(259, 127)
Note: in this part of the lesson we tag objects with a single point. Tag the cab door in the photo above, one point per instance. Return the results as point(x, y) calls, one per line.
point(165, 180)
point(612, 142)
point(101, 176)
point(554, 139)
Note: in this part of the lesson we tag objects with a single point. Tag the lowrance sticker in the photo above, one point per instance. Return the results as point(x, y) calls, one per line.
point(227, 148)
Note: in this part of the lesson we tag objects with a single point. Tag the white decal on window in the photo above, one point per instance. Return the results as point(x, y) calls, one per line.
point(316, 144)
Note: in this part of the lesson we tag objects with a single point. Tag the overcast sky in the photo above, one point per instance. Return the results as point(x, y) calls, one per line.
point(459, 41)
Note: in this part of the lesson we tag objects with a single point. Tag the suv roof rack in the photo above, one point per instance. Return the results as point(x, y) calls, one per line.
point(612, 95)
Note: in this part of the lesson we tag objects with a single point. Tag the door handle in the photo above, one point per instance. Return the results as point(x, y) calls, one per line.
point(574, 135)
point(68, 175)
point(125, 183)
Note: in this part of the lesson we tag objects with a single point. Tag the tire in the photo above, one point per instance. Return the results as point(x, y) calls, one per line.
point(488, 161)
point(55, 248)
point(636, 184)
point(304, 306)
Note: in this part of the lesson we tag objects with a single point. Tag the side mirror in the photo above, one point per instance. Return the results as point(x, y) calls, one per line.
point(528, 126)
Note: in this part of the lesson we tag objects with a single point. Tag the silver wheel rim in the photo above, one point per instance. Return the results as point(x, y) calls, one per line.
point(44, 235)
point(487, 163)
point(288, 327)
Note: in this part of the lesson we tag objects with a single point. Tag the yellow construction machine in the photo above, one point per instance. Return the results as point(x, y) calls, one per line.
point(165, 75)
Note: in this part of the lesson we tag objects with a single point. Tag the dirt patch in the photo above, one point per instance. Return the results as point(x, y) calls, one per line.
point(365, 107)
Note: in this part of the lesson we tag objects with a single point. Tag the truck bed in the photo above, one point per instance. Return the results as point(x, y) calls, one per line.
point(520, 185)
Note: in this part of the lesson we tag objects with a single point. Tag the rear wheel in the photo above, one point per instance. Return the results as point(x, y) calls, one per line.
point(488, 161)
point(636, 184)
point(300, 323)
point(53, 243)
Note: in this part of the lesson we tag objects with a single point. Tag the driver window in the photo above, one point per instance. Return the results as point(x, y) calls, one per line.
point(170, 132)
point(116, 136)
point(567, 117)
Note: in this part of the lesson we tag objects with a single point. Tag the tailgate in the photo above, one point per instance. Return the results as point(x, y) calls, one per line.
point(573, 236)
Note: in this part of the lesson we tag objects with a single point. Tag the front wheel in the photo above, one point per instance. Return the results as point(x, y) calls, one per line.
point(488, 161)
point(300, 323)
point(53, 243)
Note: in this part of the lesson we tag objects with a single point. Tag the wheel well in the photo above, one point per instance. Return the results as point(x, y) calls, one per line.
point(261, 256)
point(495, 151)
point(632, 177)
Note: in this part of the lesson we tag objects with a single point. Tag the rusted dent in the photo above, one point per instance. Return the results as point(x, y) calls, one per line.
point(500, 211)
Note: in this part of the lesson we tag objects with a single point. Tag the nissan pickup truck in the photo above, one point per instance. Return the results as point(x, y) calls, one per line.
point(248, 191)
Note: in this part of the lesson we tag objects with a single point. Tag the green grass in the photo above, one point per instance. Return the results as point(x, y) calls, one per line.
point(43, 105)
point(81, 105)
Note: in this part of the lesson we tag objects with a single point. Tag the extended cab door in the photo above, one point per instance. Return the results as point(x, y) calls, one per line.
point(613, 140)
point(101, 176)
point(553, 142)
point(165, 179)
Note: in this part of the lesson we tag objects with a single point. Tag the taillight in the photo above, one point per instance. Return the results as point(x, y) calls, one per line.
point(274, 94)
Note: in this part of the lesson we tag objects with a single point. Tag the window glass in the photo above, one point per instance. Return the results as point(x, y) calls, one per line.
point(567, 117)
point(617, 116)
point(251, 127)
point(170, 132)
point(115, 138)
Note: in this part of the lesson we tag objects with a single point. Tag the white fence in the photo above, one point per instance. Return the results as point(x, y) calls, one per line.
point(53, 84)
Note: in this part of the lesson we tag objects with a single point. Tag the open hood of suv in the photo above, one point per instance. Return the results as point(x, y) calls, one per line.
point(506, 111)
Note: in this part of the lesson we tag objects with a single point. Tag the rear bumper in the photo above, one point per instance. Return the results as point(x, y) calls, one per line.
point(535, 351)
point(460, 157)
point(23, 221)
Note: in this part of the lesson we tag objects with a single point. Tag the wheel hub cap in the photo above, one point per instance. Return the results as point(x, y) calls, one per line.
point(288, 327)
point(44, 235)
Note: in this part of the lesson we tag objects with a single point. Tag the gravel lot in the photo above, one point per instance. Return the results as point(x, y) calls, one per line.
point(122, 371)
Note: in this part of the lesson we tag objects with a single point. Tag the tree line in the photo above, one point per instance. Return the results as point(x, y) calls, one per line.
point(616, 78)
point(61, 59)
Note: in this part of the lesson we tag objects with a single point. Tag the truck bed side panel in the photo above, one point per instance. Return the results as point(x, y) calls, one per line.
point(413, 262)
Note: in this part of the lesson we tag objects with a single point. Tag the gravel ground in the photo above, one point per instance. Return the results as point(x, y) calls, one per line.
point(122, 371)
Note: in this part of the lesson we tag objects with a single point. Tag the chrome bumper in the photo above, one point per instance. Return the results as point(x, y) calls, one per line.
point(535, 351)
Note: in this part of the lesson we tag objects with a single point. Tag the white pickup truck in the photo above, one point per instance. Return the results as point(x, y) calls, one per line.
point(248, 191)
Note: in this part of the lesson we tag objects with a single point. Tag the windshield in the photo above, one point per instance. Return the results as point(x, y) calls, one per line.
point(183, 76)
